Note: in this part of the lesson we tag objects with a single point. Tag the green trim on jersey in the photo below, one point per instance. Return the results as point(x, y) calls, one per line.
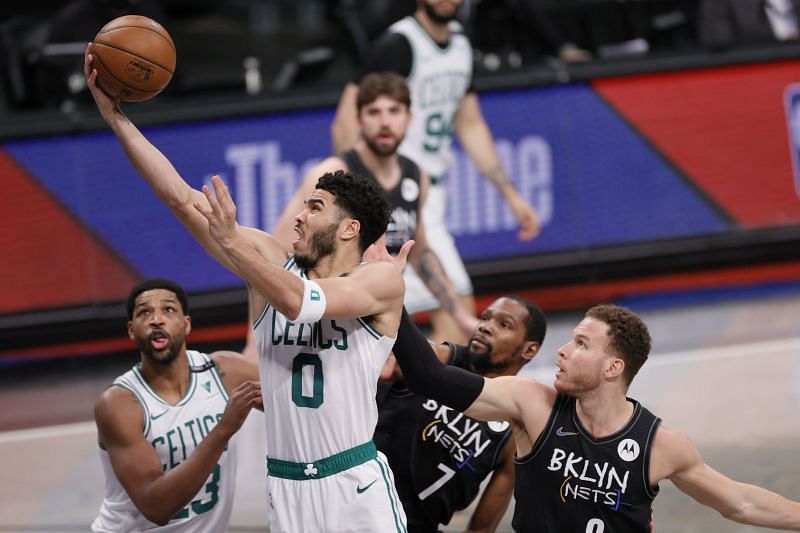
point(186, 397)
point(369, 329)
point(321, 468)
point(390, 489)
point(146, 411)
point(261, 316)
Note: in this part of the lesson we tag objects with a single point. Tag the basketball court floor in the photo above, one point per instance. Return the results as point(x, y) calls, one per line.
point(726, 371)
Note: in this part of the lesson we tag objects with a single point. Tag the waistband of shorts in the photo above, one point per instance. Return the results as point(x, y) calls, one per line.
point(323, 467)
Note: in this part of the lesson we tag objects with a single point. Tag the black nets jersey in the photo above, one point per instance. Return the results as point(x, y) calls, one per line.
point(439, 456)
point(571, 482)
point(404, 199)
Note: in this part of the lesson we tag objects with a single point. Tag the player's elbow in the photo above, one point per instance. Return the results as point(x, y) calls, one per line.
point(158, 516)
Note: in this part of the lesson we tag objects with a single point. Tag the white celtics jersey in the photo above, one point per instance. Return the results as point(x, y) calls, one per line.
point(175, 431)
point(439, 79)
point(319, 383)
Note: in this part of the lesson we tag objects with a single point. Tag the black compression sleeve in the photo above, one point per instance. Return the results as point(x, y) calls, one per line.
point(426, 375)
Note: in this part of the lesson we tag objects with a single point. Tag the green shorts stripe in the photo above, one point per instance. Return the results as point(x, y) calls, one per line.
point(322, 467)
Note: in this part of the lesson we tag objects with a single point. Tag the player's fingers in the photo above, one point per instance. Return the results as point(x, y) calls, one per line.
point(526, 234)
point(212, 199)
point(405, 250)
point(221, 189)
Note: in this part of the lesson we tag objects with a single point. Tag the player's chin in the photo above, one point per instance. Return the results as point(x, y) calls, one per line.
point(478, 348)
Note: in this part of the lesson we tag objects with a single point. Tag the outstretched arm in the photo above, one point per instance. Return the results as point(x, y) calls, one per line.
point(159, 494)
point(431, 271)
point(477, 140)
point(675, 457)
point(496, 496)
point(165, 181)
point(344, 128)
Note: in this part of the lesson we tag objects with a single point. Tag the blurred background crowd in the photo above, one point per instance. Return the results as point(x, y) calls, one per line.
point(267, 47)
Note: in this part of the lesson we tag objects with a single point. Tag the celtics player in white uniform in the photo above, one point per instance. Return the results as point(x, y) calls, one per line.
point(322, 338)
point(430, 50)
point(164, 427)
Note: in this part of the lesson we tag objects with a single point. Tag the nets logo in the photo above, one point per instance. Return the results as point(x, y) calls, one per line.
point(792, 100)
point(628, 450)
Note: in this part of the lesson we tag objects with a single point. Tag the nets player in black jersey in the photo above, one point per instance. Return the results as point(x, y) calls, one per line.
point(438, 455)
point(589, 459)
point(383, 112)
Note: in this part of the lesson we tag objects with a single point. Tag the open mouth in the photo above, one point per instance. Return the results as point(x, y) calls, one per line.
point(159, 340)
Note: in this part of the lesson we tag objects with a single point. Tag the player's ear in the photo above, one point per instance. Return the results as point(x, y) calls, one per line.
point(615, 366)
point(530, 349)
point(130, 329)
point(188, 320)
point(349, 229)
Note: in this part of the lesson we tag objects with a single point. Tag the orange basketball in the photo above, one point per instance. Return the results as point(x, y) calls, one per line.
point(134, 57)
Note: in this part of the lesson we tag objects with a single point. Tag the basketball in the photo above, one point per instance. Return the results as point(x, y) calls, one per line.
point(134, 57)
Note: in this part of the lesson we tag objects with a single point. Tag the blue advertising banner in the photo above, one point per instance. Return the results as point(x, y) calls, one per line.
point(593, 179)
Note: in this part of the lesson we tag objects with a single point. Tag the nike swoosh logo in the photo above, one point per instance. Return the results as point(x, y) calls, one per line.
point(360, 489)
point(561, 433)
point(159, 415)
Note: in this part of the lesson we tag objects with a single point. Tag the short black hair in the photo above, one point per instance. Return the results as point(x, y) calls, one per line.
point(157, 283)
point(360, 198)
point(536, 323)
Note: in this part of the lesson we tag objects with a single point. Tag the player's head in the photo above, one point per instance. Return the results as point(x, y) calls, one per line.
point(344, 207)
point(440, 11)
point(609, 345)
point(384, 111)
point(158, 319)
point(510, 332)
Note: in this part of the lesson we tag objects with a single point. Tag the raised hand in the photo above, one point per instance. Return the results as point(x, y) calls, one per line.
point(378, 252)
point(243, 398)
point(220, 212)
point(527, 217)
point(107, 105)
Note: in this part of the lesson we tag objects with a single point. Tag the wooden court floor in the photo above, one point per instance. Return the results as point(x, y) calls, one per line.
point(727, 373)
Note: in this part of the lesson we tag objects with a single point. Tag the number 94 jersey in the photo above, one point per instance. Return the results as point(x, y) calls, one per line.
point(318, 382)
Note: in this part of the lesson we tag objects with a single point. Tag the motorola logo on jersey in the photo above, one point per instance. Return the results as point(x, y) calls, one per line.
point(792, 101)
point(409, 190)
point(628, 450)
point(498, 426)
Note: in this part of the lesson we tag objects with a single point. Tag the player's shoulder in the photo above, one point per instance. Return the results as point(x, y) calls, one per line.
point(117, 402)
point(673, 452)
point(234, 368)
